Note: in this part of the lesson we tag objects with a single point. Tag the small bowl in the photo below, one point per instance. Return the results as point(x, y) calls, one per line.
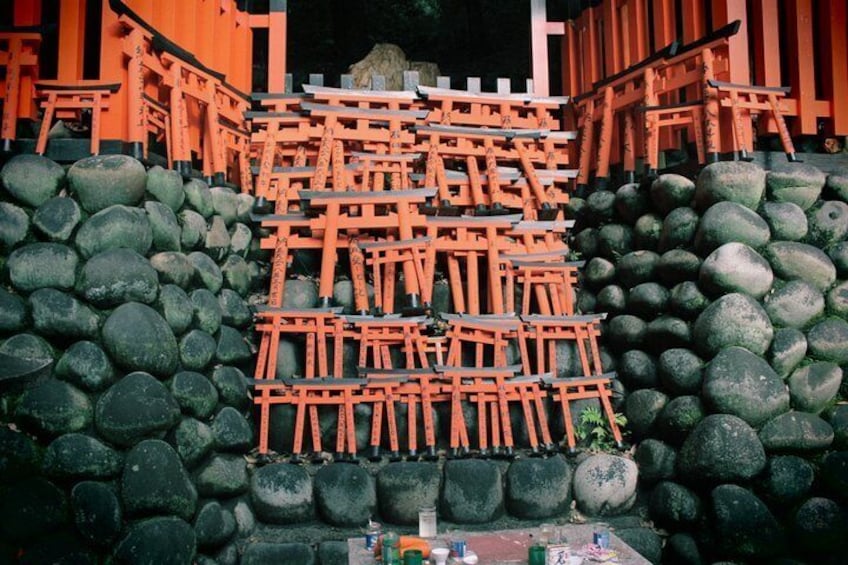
point(439, 555)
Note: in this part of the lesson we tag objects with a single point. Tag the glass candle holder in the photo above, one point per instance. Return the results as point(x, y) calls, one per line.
point(427, 526)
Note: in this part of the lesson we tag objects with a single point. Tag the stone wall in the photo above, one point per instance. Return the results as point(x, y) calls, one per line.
point(728, 302)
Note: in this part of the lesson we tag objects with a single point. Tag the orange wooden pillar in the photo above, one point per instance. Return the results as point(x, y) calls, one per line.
point(113, 68)
point(277, 28)
point(835, 66)
point(539, 47)
point(739, 69)
point(71, 35)
point(766, 47)
point(27, 13)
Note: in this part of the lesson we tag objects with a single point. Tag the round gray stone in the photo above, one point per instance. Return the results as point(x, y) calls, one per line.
point(157, 540)
point(135, 407)
point(538, 488)
point(195, 394)
point(20, 456)
point(236, 274)
point(813, 387)
point(79, 456)
point(837, 184)
point(57, 218)
point(208, 272)
point(667, 331)
point(333, 553)
point(834, 472)
point(345, 495)
point(828, 340)
point(222, 475)
point(740, 383)
point(472, 492)
point(722, 447)
point(627, 331)
point(615, 240)
point(193, 440)
point(647, 232)
point(114, 227)
point(231, 385)
point(32, 179)
point(676, 266)
point(97, 512)
point(788, 348)
point(794, 304)
point(631, 202)
point(586, 242)
point(166, 186)
point(193, 232)
point(838, 419)
point(605, 485)
point(213, 526)
point(116, 276)
point(163, 223)
point(232, 432)
point(225, 203)
point(240, 239)
point(680, 371)
point(679, 228)
point(176, 307)
point(678, 418)
point(820, 525)
point(828, 222)
point(734, 181)
point(641, 409)
point(154, 481)
point(836, 300)
point(791, 260)
point(245, 206)
point(611, 299)
point(674, 506)
point(687, 301)
point(53, 407)
point(263, 552)
point(232, 347)
point(173, 267)
point(798, 183)
point(656, 460)
point(735, 267)
point(58, 314)
point(235, 311)
point(644, 541)
point(599, 272)
point(138, 339)
point(787, 479)
point(199, 197)
point(786, 220)
point(13, 312)
point(14, 225)
point(27, 346)
point(745, 527)
point(600, 207)
point(636, 268)
point(105, 180)
point(282, 494)
point(647, 300)
point(197, 349)
point(838, 253)
point(637, 369)
point(796, 432)
point(43, 265)
point(671, 191)
point(733, 319)
point(728, 222)
point(217, 244)
point(300, 293)
point(38, 506)
point(681, 549)
point(404, 487)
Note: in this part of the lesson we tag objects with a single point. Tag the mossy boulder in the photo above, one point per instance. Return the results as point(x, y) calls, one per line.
point(102, 181)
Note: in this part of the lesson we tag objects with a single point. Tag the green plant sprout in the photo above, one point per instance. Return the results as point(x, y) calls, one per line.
point(594, 431)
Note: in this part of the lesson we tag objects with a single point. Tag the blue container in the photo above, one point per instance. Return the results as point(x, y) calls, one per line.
point(601, 538)
point(457, 548)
